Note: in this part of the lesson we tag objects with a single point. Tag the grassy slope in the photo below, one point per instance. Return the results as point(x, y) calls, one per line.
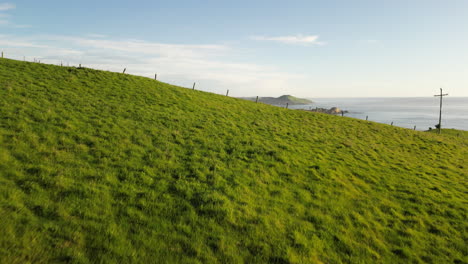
point(282, 100)
point(106, 167)
point(451, 132)
point(294, 100)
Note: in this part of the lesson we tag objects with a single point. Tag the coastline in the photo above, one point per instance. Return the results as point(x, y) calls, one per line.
point(407, 112)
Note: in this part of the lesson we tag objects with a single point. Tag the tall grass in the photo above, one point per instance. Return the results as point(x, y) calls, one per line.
point(100, 167)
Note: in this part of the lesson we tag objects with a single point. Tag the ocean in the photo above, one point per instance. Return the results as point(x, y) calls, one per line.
point(422, 112)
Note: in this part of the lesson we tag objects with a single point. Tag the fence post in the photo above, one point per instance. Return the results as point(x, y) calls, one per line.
point(391, 124)
point(124, 70)
point(256, 100)
point(227, 93)
point(193, 88)
point(414, 127)
point(367, 118)
point(155, 76)
point(80, 66)
point(2, 54)
point(342, 113)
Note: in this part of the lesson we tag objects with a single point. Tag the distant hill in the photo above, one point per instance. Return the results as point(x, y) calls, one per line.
point(282, 100)
point(103, 167)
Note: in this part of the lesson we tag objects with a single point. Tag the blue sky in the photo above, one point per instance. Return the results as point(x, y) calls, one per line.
point(267, 48)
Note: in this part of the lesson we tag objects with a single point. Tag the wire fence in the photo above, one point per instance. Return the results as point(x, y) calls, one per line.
point(258, 99)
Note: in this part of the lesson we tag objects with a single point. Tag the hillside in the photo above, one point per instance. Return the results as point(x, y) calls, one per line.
point(101, 167)
point(451, 132)
point(282, 100)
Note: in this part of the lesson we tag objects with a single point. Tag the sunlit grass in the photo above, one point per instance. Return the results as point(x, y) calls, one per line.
point(105, 167)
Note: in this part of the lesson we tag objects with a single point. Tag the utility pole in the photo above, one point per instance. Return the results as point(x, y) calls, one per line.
point(440, 113)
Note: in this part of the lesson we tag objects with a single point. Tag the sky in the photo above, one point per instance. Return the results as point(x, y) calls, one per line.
point(306, 48)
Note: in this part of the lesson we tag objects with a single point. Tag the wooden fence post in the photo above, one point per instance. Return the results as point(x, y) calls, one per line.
point(227, 93)
point(440, 113)
point(193, 88)
point(256, 100)
point(155, 76)
point(342, 113)
point(414, 127)
point(124, 70)
point(391, 124)
point(2, 54)
point(287, 105)
point(367, 118)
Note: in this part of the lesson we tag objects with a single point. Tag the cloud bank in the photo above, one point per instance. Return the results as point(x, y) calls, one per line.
point(6, 6)
point(298, 39)
point(4, 18)
point(214, 67)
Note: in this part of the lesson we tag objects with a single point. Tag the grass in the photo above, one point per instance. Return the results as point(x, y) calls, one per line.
point(295, 100)
point(101, 167)
point(451, 132)
point(282, 100)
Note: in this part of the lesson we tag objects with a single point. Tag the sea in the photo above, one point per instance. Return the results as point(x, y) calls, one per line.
point(422, 112)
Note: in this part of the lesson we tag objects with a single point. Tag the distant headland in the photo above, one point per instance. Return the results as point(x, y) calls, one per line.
point(282, 100)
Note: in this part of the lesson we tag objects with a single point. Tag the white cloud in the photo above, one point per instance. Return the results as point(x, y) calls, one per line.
point(6, 6)
point(212, 66)
point(9, 41)
point(298, 39)
point(22, 26)
point(172, 50)
point(4, 18)
point(97, 36)
point(370, 41)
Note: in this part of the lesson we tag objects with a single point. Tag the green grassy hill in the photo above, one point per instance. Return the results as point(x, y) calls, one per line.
point(294, 100)
point(282, 100)
point(101, 167)
point(451, 132)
